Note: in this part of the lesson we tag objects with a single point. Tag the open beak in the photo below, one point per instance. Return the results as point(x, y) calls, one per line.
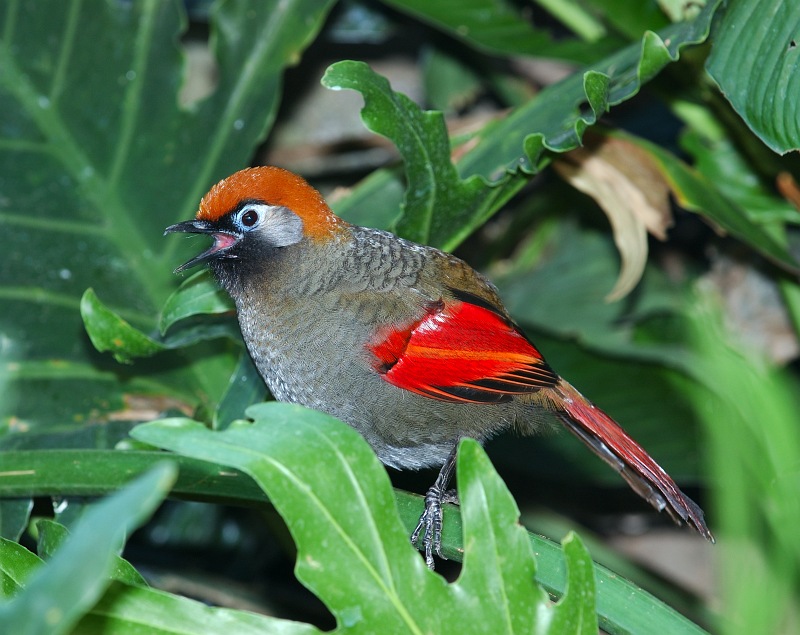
point(223, 240)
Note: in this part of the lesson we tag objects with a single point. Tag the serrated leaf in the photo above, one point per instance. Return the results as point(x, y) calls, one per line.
point(622, 606)
point(439, 207)
point(56, 595)
point(556, 119)
point(755, 56)
point(498, 562)
point(355, 555)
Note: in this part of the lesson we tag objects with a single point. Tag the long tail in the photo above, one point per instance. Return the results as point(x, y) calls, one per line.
point(609, 441)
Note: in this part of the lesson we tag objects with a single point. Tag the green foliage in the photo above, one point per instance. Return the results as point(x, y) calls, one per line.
point(764, 87)
point(54, 597)
point(101, 147)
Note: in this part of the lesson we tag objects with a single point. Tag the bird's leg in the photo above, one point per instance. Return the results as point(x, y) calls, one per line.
point(430, 523)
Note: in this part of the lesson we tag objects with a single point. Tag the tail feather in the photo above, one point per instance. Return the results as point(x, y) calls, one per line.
point(609, 441)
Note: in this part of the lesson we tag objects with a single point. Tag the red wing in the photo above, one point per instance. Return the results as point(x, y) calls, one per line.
point(461, 352)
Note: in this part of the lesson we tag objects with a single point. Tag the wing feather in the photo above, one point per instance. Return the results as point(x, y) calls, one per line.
point(461, 352)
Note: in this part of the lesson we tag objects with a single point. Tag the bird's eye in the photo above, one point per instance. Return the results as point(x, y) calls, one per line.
point(249, 218)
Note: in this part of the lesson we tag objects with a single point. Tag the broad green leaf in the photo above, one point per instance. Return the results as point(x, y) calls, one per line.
point(721, 163)
point(439, 207)
point(56, 595)
point(355, 529)
point(97, 156)
point(127, 609)
point(110, 332)
point(755, 56)
point(52, 535)
point(355, 555)
point(100, 472)
point(622, 606)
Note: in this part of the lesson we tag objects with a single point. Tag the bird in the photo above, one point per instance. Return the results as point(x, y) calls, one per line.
point(404, 342)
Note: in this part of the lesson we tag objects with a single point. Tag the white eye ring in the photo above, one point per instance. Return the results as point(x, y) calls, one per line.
point(248, 218)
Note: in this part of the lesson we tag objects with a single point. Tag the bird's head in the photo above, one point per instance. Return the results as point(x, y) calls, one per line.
point(257, 210)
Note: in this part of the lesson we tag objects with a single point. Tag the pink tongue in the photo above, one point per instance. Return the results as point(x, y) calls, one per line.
point(223, 241)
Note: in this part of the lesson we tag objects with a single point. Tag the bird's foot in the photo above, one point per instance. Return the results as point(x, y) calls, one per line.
point(429, 527)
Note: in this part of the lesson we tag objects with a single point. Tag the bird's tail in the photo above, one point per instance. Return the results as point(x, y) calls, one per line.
point(609, 441)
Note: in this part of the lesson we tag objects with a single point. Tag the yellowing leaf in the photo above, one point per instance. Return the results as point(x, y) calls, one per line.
point(630, 189)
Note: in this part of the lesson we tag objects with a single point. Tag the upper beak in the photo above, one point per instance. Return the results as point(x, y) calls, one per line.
point(222, 240)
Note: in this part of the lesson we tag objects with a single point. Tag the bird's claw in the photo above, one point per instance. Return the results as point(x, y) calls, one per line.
point(430, 526)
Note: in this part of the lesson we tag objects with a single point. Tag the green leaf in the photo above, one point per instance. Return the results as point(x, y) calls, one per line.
point(357, 558)
point(557, 117)
point(14, 515)
point(750, 413)
point(720, 161)
point(695, 192)
point(355, 555)
point(439, 207)
point(575, 612)
point(754, 58)
point(126, 609)
point(99, 472)
point(498, 561)
point(245, 388)
point(622, 606)
point(109, 332)
point(199, 294)
point(52, 535)
point(97, 156)
point(17, 564)
point(497, 26)
point(58, 594)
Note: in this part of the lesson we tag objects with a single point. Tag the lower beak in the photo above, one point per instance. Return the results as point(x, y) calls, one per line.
point(223, 240)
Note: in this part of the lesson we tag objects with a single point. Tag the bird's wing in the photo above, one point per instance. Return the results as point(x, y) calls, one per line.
point(461, 351)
